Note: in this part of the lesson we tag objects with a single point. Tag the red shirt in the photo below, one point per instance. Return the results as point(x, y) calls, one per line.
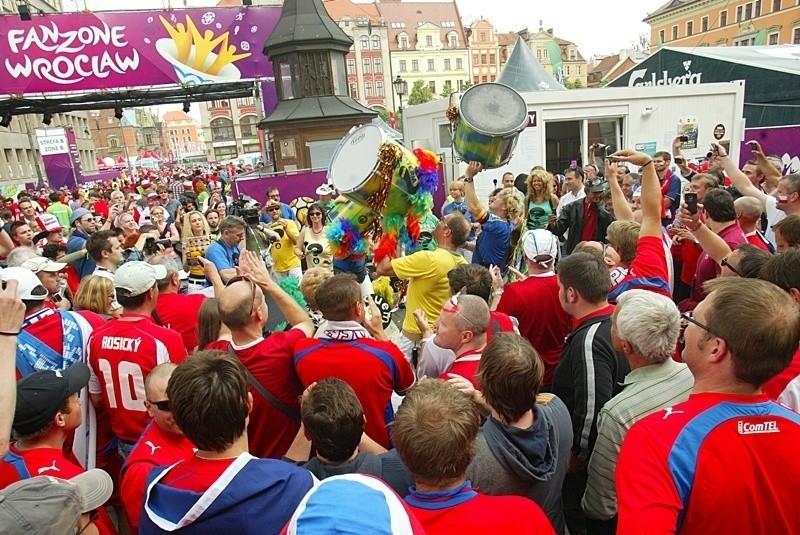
point(785, 387)
point(707, 268)
point(270, 360)
point(758, 239)
point(465, 365)
point(121, 354)
point(373, 368)
point(49, 462)
point(45, 325)
point(196, 474)
point(179, 313)
point(544, 325)
point(156, 448)
point(589, 221)
point(479, 515)
point(648, 270)
point(717, 463)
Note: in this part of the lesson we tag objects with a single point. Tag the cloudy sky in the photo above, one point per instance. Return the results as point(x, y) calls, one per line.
point(596, 27)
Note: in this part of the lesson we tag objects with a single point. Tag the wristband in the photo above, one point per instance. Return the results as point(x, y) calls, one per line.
point(645, 165)
point(468, 179)
point(10, 334)
point(497, 292)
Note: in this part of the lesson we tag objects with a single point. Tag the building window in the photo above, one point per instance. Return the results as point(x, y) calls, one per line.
point(773, 39)
point(723, 18)
point(376, 42)
point(483, 59)
point(776, 5)
point(378, 66)
point(402, 65)
point(660, 36)
point(492, 59)
point(366, 66)
point(364, 42)
point(247, 124)
point(689, 28)
point(484, 79)
point(796, 36)
point(379, 89)
point(739, 13)
point(566, 70)
point(432, 86)
point(430, 65)
point(757, 10)
point(453, 40)
point(704, 24)
point(351, 67)
point(403, 42)
point(447, 64)
point(112, 142)
point(579, 69)
point(428, 40)
point(368, 89)
point(222, 129)
point(674, 33)
point(483, 37)
point(354, 90)
point(572, 56)
point(415, 65)
point(459, 64)
point(538, 53)
point(475, 59)
point(460, 85)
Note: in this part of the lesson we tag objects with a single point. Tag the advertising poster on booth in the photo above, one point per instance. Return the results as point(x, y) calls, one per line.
point(103, 50)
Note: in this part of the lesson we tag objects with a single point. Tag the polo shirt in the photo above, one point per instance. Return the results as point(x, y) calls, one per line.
point(222, 255)
point(645, 391)
point(707, 268)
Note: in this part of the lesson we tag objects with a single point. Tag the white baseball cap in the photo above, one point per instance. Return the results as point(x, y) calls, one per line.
point(138, 277)
point(27, 281)
point(540, 246)
point(41, 263)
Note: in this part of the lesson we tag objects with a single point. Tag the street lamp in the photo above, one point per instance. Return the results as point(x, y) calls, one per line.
point(401, 88)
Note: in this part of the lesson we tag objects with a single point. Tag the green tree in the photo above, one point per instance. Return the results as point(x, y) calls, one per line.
point(420, 93)
point(573, 85)
point(467, 85)
point(447, 91)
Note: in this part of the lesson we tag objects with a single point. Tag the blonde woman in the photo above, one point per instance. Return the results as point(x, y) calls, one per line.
point(540, 202)
point(195, 240)
point(96, 294)
point(312, 243)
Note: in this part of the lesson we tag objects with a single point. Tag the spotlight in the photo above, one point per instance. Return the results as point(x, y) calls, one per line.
point(118, 112)
point(24, 10)
point(6, 120)
point(47, 118)
point(186, 107)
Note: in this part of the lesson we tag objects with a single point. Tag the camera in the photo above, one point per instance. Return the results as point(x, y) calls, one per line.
point(151, 246)
point(248, 209)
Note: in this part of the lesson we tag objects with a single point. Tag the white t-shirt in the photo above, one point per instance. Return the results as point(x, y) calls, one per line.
point(774, 214)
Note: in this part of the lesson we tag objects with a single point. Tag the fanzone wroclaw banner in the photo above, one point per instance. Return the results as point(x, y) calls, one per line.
point(105, 50)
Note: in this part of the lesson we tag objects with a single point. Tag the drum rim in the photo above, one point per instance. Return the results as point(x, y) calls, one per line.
point(516, 130)
point(339, 149)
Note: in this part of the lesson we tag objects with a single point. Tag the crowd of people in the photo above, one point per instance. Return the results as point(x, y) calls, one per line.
point(611, 349)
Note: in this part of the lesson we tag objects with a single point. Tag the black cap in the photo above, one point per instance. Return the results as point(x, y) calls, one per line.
point(597, 184)
point(41, 394)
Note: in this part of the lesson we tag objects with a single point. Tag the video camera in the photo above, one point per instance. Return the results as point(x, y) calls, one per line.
point(248, 209)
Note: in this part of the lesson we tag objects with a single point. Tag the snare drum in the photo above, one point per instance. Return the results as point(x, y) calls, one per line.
point(357, 172)
point(490, 119)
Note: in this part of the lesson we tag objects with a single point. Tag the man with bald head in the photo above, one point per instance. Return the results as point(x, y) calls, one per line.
point(162, 443)
point(274, 383)
point(462, 327)
point(748, 214)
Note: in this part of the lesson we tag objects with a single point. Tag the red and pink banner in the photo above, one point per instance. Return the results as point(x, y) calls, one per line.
point(104, 50)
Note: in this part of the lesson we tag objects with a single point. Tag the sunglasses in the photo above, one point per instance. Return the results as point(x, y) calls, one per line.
point(728, 265)
point(274, 209)
point(686, 319)
point(312, 214)
point(451, 307)
point(163, 405)
point(253, 289)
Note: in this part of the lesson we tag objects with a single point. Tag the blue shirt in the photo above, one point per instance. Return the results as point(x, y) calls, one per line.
point(493, 242)
point(84, 266)
point(222, 255)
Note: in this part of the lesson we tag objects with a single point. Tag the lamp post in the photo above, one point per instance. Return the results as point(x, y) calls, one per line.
point(401, 88)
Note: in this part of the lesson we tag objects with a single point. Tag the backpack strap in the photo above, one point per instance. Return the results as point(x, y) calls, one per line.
point(266, 394)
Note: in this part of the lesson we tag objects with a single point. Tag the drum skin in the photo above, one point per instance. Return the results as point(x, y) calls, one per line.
point(360, 216)
point(490, 120)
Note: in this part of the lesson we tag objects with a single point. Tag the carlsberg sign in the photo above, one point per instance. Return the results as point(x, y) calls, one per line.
point(640, 77)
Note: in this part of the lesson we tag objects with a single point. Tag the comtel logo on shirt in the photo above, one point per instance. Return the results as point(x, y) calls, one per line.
point(748, 428)
point(121, 344)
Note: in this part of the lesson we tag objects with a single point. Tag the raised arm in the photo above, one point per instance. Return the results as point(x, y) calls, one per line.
point(10, 326)
point(473, 203)
point(709, 240)
point(738, 178)
point(622, 210)
point(651, 191)
point(771, 175)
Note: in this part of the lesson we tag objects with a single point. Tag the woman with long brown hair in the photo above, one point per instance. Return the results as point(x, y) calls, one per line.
point(540, 202)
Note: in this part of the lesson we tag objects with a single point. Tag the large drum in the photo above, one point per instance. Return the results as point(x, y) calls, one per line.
point(359, 216)
point(358, 171)
point(490, 119)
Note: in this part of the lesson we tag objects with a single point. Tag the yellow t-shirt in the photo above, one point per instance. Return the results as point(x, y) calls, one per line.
point(428, 288)
point(283, 249)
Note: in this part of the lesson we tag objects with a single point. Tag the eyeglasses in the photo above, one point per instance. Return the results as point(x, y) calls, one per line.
point(273, 209)
point(312, 214)
point(686, 319)
point(275, 196)
point(253, 289)
point(728, 265)
point(451, 306)
point(162, 405)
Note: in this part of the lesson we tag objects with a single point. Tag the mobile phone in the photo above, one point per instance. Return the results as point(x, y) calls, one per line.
point(690, 198)
point(679, 160)
point(193, 262)
point(753, 145)
point(684, 139)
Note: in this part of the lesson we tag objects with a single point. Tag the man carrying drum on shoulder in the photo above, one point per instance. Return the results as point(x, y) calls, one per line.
point(494, 242)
